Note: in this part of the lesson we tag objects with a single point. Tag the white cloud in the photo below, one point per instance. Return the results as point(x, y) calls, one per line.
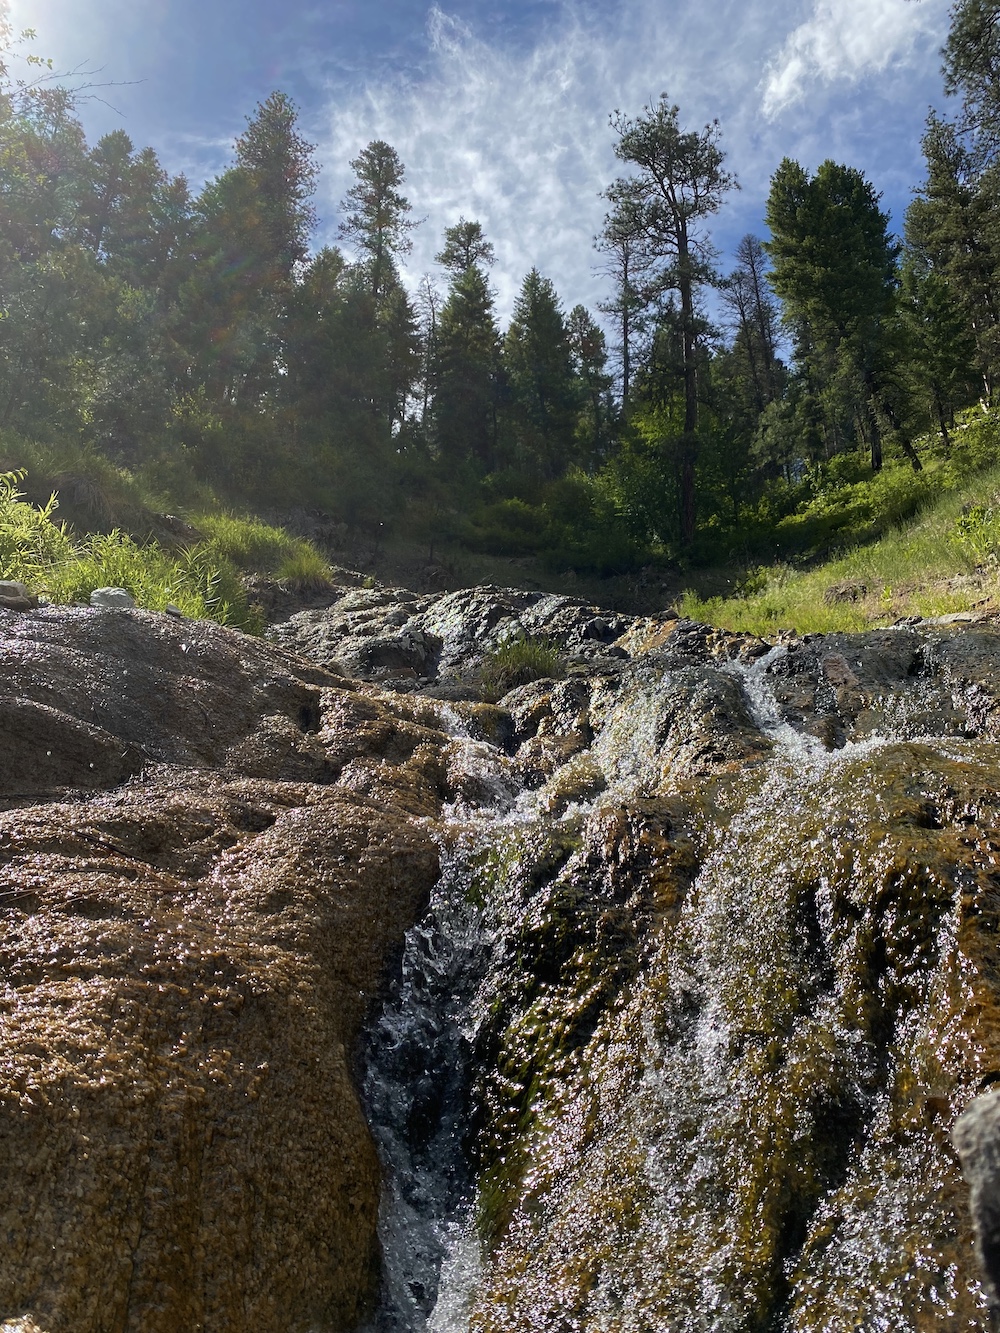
point(520, 139)
point(517, 136)
point(845, 40)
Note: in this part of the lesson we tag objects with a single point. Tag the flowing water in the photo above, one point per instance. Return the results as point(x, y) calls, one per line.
point(683, 1057)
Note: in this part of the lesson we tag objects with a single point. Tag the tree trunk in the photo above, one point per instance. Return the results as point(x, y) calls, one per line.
point(689, 444)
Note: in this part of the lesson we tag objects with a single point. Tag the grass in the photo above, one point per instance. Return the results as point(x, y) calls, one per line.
point(204, 581)
point(251, 545)
point(194, 582)
point(945, 560)
point(518, 661)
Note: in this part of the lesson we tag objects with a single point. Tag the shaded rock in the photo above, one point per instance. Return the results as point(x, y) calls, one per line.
point(838, 593)
point(180, 692)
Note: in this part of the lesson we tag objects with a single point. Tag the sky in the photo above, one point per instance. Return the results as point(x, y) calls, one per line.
point(499, 108)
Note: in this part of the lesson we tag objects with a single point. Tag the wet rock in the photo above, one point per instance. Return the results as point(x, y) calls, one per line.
point(187, 965)
point(191, 945)
point(724, 1043)
point(655, 727)
point(977, 1138)
point(179, 692)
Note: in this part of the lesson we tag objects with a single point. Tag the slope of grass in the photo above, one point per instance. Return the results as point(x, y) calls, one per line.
point(945, 560)
point(204, 580)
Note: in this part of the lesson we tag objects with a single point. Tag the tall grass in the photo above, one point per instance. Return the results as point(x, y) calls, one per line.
point(255, 546)
point(518, 661)
point(915, 569)
point(194, 582)
point(40, 552)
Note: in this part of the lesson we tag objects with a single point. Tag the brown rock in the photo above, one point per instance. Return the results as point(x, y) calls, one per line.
point(188, 962)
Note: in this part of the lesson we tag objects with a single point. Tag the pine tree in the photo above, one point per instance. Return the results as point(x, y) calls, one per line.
point(544, 389)
point(953, 227)
point(595, 422)
point(376, 215)
point(464, 377)
point(835, 269)
point(679, 181)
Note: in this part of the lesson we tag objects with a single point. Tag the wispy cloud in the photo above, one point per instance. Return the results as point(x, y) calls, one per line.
point(519, 138)
point(844, 40)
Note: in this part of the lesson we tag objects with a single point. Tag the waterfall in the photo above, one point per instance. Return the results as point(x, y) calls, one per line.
point(679, 1027)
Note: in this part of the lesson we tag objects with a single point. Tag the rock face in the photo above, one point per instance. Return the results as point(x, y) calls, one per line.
point(977, 1138)
point(742, 972)
point(726, 913)
point(188, 960)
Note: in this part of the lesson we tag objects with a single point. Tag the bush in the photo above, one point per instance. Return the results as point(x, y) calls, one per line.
point(977, 530)
point(518, 661)
point(198, 584)
point(39, 552)
point(30, 542)
point(254, 546)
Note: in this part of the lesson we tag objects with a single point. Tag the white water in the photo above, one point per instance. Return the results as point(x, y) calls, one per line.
point(419, 1064)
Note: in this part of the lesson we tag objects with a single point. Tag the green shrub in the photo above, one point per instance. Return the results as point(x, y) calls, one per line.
point(30, 541)
point(197, 583)
point(254, 546)
point(517, 661)
point(977, 529)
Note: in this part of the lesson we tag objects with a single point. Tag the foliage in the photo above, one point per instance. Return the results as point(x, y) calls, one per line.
point(31, 542)
point(926, 567)
point(518, 661)
point(249, 544)
point(193, 581)
point(163, 348)
point(978, 529)
point(678, 182)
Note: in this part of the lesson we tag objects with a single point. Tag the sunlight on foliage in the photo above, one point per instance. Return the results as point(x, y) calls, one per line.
point(255, 546)
point(518, 661)
point(944, 561)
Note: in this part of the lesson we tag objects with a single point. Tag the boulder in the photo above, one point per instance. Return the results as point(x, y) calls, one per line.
point(116, 598)
point(977, 1137)
point(209, 855)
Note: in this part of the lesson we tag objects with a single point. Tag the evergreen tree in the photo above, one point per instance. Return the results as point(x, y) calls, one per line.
point(835, 269)
point(543, 386)
point(375, 215)
point(972, 72)
point(464, 376)
point(628, 263)
point(595, 423)
point(942, 348)
point(280, 164)
point(250, 233)
point(465, 246)
point(747, 296)
point(679, 181)
point(953, 227)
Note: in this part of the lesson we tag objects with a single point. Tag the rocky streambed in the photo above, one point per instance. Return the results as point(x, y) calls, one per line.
point(646, 997)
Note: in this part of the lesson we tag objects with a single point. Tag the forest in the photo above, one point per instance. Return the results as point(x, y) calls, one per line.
point(197, 344)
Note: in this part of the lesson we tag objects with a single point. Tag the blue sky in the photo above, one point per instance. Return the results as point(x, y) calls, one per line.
point(500, 110)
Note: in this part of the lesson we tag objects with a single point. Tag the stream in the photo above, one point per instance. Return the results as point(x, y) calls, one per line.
point(650, 1060)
